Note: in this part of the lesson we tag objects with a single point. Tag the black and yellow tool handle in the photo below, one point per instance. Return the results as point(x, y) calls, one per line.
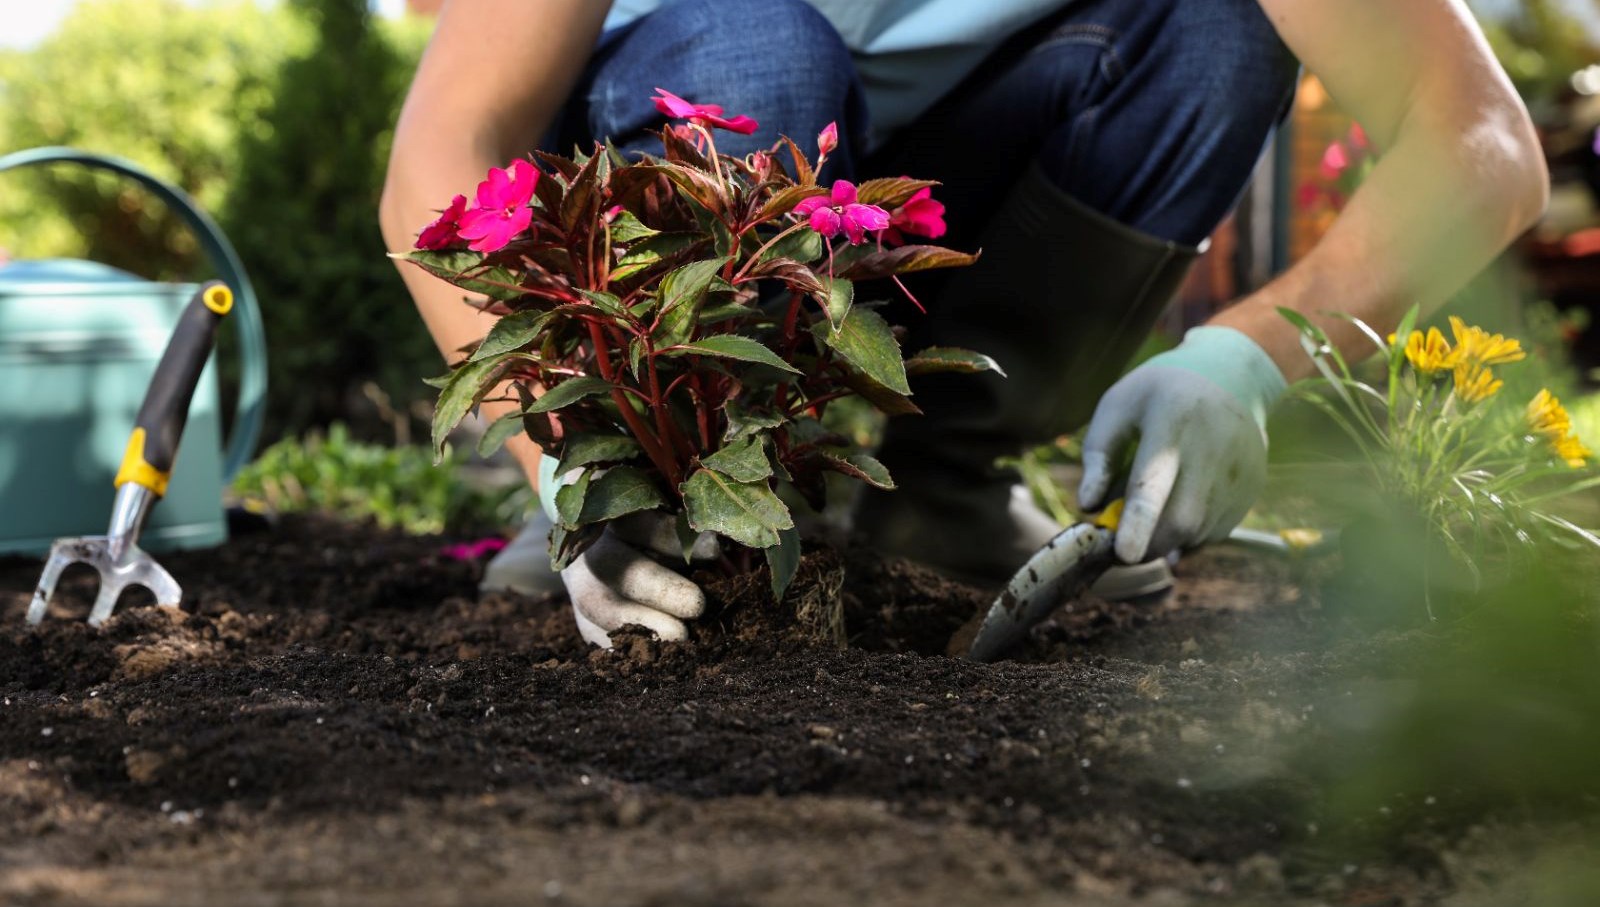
point(153, 446)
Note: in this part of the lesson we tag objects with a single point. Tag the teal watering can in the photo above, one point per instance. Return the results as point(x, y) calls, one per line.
point(79, 343)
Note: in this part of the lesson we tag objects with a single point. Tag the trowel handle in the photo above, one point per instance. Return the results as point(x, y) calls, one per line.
point(154, 443)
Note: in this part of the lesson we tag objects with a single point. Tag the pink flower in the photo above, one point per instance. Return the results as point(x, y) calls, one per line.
point(919, 216)
point(701, 114)
point(1358, 137)
point(828, 139)
point(471, 551)
point(441, 233)
point(840, 211)
point(502, 210)
point(1334, 161)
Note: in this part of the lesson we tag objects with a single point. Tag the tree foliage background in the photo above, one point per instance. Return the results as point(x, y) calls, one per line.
point(278, 121)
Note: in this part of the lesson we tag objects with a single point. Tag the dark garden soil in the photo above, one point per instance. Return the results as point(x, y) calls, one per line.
point(343, 720)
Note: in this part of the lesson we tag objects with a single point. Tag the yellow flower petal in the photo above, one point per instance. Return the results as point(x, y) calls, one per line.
point(1478, 346)
point(1475, 384)
point(1547, 417)
point(1430, 353)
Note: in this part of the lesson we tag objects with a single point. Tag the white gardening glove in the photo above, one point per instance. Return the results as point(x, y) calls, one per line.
point(615, 582)
point(1199, 413)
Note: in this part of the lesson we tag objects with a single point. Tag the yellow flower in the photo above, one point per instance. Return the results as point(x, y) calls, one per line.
point(1548, 418)
point(1572, 450)
point(1475, 384)
point(1476, 345)
point(1430, 353)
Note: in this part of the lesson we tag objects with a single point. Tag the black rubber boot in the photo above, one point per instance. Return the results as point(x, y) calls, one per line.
point(1062, 298)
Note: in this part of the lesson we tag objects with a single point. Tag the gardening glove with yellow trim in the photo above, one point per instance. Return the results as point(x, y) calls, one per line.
point(1198, 416)
point(623, 579)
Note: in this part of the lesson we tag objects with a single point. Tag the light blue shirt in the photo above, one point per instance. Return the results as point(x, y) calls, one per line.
point(908, 52)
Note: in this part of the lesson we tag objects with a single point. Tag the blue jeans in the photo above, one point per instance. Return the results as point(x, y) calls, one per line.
point(1152, 112)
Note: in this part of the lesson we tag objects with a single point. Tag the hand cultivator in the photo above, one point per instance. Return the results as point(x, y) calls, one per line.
point(145, 471)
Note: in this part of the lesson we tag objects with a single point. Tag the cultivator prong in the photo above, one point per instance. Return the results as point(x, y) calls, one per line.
point(132, 568)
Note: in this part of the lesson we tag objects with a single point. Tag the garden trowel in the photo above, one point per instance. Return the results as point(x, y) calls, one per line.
point(1060, 571)
point(146, 468)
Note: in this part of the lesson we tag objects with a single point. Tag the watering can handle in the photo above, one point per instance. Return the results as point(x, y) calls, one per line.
point(247, 315)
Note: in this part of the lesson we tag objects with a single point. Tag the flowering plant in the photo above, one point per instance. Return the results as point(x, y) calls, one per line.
point(1437, 436)
point(675, 327)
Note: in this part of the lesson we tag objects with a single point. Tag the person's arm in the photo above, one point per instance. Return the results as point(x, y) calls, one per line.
point(490, 84)
point(1458, 177)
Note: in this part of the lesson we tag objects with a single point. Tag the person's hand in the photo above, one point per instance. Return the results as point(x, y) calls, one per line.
point(1199, 415)
point(618, 582)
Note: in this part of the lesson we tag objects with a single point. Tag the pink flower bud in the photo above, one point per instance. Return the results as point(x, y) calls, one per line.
point(828, 139)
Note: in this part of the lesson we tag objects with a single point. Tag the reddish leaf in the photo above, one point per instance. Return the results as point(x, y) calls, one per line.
point(682, 151)
point(803, 173)
point(876, 263)
point(891, 192)
point(799, 277)
point(783, 201)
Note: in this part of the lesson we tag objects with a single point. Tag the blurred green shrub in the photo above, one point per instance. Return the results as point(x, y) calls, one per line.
point(303, 213)
point(397, 486)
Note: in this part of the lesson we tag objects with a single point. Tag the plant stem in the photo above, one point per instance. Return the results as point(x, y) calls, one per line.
point(651, 444)
point(756, 255)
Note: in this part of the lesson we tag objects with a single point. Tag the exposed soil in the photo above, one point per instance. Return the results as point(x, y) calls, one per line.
point(344, 720)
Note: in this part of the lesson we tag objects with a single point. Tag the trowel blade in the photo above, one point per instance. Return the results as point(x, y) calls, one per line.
point(1056, 573)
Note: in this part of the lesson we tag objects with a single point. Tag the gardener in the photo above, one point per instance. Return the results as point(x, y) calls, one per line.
point(1088, 147)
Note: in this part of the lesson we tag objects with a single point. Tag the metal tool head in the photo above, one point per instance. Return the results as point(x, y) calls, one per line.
point(1056, 573)
point(133, 568)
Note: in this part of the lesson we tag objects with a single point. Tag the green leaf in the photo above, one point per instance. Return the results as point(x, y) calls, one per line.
point(510, 333)
point(888, 402)
point(686, 536)
point(466, 270)
point(950, 359)
point(840, 294)
point(651, 251)
point(627, 229)
point(438, 382)
point(567, 544)
point(459, 396)
point(619, 492)
point(742, 423)
point(860, 466)
point(747, 512)
point(568, 392)
point(585, 449)
point(682, 293)
point(804, 246)
point(866, 342)
point(636, 357)
point(742, 461)
point(498, 433)
point(570, 500)
point(732, 346)
point(606, 302)
point(869, 263)
point(784, 561)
